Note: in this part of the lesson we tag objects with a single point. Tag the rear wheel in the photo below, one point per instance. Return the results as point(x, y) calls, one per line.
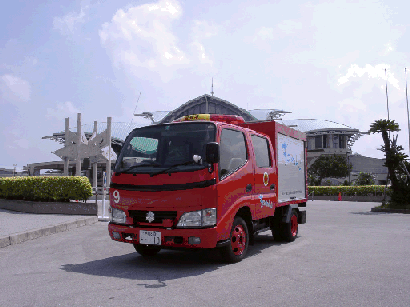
point(290, 230)
point(285, 231)
point(147, 250)
point(239, 242)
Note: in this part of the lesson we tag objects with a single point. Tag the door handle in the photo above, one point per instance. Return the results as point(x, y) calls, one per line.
point(272, 187)
point(248, 187)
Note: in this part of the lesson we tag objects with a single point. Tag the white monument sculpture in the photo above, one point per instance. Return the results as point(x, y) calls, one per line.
point(77, 147)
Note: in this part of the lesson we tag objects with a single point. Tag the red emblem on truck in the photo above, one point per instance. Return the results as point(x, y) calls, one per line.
point(265, 179)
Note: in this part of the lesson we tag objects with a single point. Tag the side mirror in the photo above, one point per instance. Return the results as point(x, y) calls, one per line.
point(212, 153)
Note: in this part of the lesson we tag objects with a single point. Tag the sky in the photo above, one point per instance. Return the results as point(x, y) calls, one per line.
point(317, 59)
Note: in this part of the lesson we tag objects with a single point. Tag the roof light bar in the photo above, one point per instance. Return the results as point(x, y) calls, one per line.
point(229, 119)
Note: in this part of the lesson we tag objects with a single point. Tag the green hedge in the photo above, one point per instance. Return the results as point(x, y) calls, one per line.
point(46, 188)
point(365, 190)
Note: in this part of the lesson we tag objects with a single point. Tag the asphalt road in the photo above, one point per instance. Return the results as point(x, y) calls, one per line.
point(344, 256)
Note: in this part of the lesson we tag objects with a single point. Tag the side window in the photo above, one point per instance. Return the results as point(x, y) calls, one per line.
point(261, 149)
point(233, 151)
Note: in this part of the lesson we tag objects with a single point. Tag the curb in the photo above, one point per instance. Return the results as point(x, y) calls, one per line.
point(69, 208)
point(389, 210)
point(46, 231)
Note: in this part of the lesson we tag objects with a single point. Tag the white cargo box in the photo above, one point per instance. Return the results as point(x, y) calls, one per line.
point(291, 169)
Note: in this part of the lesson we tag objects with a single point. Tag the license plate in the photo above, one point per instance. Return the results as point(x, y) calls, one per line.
point(150, 237)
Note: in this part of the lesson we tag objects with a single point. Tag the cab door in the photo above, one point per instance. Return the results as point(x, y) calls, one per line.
point(265, 179)
point(235, 171)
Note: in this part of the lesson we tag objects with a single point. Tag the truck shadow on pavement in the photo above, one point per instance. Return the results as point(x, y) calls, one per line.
point(166, 265)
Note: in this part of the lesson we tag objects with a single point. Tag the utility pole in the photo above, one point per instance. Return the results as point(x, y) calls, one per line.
point(387, 97)
point(407, 100)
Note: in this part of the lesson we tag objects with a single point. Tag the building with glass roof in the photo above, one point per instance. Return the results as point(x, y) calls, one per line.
point(324, 137)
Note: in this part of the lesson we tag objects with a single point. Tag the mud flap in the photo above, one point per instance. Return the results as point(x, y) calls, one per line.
point(302, 217)
point(287, 212)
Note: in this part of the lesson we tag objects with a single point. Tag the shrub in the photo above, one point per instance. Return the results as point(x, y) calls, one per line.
point(45, 188)
point(365, 179)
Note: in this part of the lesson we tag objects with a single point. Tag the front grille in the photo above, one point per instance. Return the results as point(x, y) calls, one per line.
point(140, 216)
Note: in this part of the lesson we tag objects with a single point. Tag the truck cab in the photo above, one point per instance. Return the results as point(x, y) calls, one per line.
point(203, 181)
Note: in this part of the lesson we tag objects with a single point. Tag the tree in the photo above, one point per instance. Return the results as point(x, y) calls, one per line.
point(346, 183)
point(383, 126)
point(365, 179)
point(398, 168)
point(325, 166)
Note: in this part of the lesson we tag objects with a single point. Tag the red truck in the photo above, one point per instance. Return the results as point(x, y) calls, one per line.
point(208, 181)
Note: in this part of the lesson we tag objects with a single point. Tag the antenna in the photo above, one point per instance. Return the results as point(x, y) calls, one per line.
point(135, 107)
point(137, 102)
point(212, 91)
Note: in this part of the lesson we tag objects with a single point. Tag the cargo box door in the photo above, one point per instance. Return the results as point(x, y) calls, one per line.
point(291, 169)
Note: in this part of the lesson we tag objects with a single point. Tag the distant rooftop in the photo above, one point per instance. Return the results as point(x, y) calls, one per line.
point(311, 125)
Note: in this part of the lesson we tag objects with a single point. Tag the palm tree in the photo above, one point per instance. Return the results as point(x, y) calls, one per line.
point(384, 126)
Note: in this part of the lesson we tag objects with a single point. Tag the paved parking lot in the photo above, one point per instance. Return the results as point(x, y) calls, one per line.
point(345, 256)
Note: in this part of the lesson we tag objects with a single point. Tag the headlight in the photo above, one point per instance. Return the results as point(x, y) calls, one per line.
point(117, 216)
point(200, 218)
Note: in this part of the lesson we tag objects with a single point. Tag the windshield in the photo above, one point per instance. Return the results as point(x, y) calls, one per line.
point(154, 148)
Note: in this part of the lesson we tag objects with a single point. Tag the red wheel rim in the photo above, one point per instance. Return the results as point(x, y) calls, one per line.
point(294, 225)
point(238, 240)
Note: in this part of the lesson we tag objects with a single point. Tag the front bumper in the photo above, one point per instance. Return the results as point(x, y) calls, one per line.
point(172, 238)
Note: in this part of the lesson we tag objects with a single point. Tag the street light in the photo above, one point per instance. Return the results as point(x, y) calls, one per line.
point(14, 170)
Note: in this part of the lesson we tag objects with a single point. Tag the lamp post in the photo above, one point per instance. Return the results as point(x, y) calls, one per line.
point(14, 169)
point(407, 101)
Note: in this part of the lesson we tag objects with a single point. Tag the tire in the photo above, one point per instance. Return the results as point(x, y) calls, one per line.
point(147, 250)
point(276, 228)
point(289, 231)
point(239, 242)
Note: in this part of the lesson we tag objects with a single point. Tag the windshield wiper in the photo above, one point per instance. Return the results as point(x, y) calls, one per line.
point(142, 164)
point(171, 167)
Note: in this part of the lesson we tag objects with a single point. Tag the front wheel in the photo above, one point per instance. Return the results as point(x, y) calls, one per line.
point(239, 241)
point(147, 250)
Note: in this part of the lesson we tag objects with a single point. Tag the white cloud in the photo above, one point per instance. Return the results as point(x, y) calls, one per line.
point(201, 53)
point(264, 33)
point(289, 26)
point(16, 138)
point(62, 110)
point(141, 41)
point(352, 105)
point(285, 27)
point(375, 72)
point(68, 23)
point(14, 88)
point(388, 48)
point(30, 60)
point(21, 143)
point(141, 36)
point(202, 30)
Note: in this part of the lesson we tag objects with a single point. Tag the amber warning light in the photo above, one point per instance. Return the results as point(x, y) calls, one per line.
point(229, 119)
